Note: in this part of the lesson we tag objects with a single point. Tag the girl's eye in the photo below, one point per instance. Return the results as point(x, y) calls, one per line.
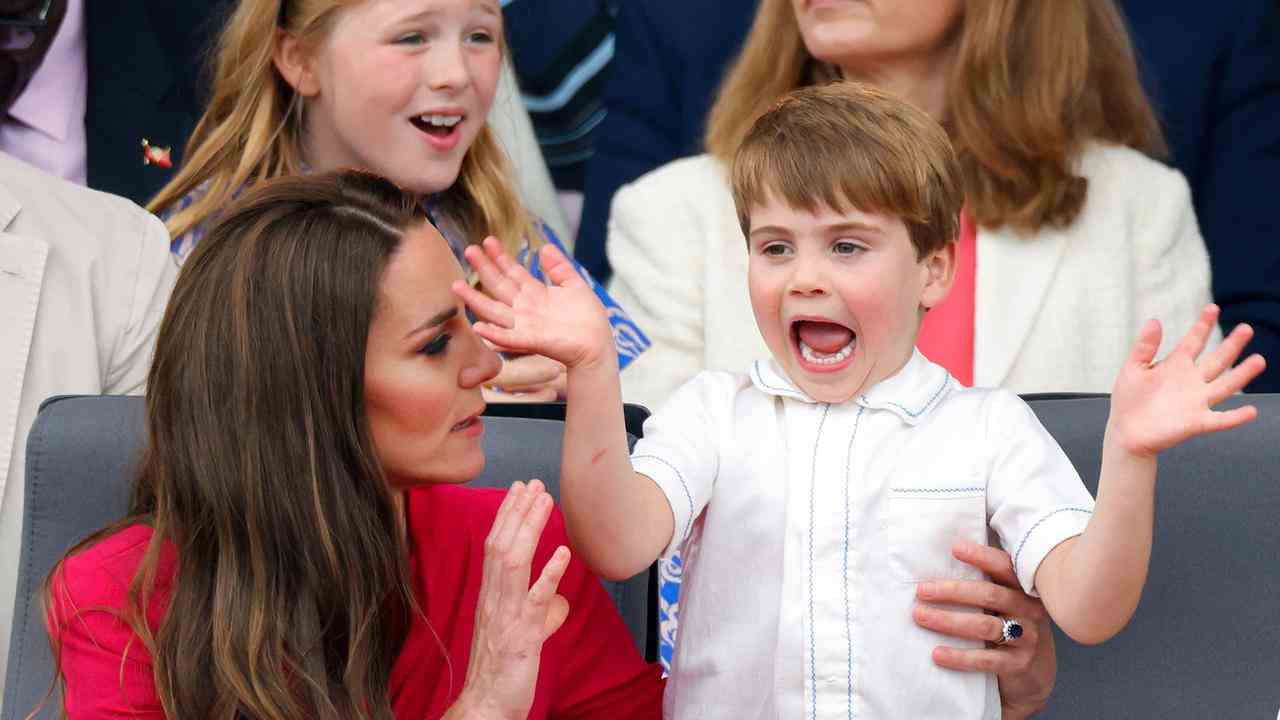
point(436, 346)
point(845, 247)
point(483, 37)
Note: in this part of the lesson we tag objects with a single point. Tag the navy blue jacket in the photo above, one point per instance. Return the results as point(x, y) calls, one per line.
point(145, 60)
point(1213, 70)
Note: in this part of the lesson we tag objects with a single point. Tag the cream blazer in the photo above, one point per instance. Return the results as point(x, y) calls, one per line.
point(84, 278)
point(1055, 312)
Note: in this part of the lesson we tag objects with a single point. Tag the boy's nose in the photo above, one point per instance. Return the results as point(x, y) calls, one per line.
point(807, 279)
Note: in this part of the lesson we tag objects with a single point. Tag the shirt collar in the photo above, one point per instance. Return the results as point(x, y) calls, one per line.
point(911, 393)
point(54, 99)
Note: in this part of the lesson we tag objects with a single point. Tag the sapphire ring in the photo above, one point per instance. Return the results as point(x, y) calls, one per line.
point(1011, 630)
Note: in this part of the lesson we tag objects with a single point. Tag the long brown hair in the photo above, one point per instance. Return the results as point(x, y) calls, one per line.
point(1034, 81)
point(253, 127)
point(290, 595)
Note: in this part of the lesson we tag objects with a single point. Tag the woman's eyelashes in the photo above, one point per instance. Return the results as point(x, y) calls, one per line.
point(436, 345)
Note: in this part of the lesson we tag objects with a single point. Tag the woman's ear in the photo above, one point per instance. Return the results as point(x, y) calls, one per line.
point(940, 275)
point(294, 63)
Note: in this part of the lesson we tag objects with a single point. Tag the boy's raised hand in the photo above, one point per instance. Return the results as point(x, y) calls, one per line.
point(1156, 406)
point(564, 321)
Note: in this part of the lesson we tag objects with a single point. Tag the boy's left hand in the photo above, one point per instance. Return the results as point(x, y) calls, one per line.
point(1157, 405)
point(563, 321)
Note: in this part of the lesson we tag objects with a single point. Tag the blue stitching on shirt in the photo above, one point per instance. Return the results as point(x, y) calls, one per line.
point(688, 495)
point(945, 383)
point(1018, 553)
point(813, 482)
point(755, 370)
point(848, 623)
point(938, 490)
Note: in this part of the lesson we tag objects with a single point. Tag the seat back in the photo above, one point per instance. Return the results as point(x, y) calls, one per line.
point(81, 456)
point(1205, 641)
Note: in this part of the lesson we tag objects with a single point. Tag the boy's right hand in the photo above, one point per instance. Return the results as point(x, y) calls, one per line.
point(563, 321)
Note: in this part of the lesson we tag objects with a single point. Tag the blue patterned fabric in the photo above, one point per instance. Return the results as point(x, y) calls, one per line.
point(670, 570)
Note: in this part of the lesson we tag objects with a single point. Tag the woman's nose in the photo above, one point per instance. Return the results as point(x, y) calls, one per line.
point(482, 365)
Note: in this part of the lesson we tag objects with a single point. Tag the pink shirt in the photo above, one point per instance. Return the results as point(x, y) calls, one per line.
point(45, 126)
point(946, 335)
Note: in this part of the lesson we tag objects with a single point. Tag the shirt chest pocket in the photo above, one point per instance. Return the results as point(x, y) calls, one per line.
point(923, 522)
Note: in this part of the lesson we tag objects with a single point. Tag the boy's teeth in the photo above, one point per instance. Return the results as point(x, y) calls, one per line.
point(814, 356)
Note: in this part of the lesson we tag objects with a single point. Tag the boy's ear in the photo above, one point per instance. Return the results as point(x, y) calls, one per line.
point(940, 269)
point(293, 62)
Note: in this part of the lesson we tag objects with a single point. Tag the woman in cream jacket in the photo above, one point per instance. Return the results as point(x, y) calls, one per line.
point(1081, 236)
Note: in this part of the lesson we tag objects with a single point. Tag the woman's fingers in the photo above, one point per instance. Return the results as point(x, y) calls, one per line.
point(989, 660)
point(983, 595)
point(969, 625)
point(992, 561)
point(543, 607)
point(519, 556)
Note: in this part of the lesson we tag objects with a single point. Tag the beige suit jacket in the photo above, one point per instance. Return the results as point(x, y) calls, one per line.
point(1056, 312)
point(84, 278)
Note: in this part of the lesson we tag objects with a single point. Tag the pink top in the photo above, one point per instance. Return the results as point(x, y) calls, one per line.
point(590, 667)
point(45, 125)
point(946, 335)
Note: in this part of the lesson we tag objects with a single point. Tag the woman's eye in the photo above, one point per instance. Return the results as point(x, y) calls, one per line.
point(436, 346)
point(845, 247)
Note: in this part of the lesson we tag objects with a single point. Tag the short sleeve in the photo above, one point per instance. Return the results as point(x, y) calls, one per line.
point(680, 448)
point(1035, 497)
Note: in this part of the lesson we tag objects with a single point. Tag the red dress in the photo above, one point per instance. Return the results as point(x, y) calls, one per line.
point(590, 667)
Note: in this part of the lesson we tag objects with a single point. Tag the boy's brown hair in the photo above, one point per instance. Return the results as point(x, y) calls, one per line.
point(849, 145)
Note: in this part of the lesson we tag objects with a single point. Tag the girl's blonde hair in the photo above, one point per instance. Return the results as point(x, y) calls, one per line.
point(252, 130)
point(1033, 82)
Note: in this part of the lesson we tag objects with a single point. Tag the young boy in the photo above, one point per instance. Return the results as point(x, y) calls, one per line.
point(811, 494)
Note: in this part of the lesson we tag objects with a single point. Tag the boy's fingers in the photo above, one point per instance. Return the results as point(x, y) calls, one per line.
point(515, 273)
point(1194, 341)
point(1235, 379)
point(491, 276)
point(497, 334)
point(1148, 342)
point(1228, 419)
point(558, 268)
point(527, 371)
point(1224, 356)
point(484, 307)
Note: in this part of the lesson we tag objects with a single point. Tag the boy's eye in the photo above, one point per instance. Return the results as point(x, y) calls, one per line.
point(437, 345)
point(411, 39)
point(845, 247)
point(775, 250)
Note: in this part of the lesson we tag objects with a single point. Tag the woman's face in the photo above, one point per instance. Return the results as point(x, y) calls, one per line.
point(402, 88)
point(862, 36)
point(424, 368)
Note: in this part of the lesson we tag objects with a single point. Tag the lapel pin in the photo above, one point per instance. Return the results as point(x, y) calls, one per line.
point(156, 155)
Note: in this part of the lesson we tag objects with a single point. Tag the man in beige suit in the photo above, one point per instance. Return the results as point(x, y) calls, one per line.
point(84, 278)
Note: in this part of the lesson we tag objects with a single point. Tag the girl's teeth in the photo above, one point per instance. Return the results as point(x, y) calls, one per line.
point(840, 355)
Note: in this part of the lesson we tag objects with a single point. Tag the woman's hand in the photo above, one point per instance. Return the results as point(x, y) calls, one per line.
point(512, 619)
point(1025, 667)
point(563, 321)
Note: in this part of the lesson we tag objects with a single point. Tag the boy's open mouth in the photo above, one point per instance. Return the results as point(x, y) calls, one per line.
point(823, 345)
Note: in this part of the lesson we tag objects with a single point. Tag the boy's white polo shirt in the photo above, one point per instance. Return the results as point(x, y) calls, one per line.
point(806, 525)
